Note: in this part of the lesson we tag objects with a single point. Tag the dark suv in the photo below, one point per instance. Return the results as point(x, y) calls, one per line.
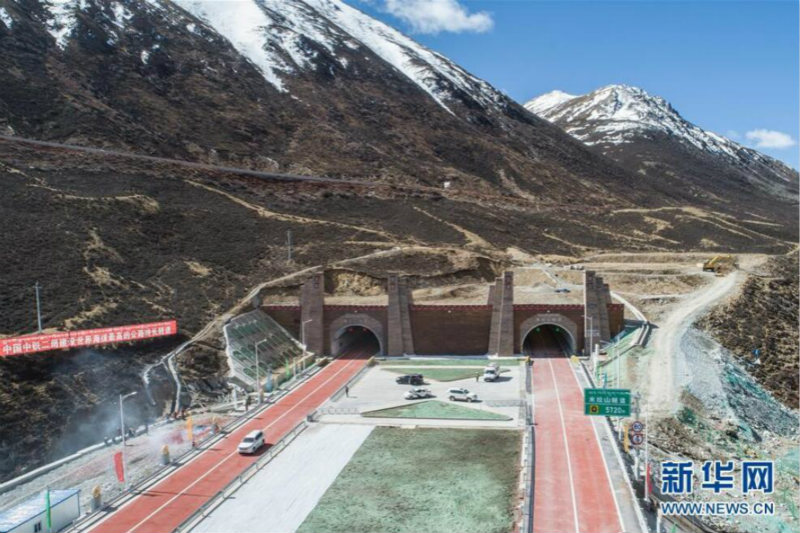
point(410, 379)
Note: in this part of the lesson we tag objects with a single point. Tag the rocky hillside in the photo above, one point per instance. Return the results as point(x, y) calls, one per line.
point(303, 86)
point(764, 317)
point(646, 135)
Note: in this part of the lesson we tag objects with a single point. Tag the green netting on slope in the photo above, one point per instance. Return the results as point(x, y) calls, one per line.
point(275, 344)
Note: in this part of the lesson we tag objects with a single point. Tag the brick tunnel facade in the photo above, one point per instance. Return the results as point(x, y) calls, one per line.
point(404, 328)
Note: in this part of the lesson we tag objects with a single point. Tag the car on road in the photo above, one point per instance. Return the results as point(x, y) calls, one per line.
point(252, 442)
point(462, 394)
point(418, 392)
point(410, 379)
point(562, 290)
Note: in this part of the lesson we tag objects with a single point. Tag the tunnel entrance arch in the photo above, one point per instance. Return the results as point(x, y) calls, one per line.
point(548, 331)
point(348, 328)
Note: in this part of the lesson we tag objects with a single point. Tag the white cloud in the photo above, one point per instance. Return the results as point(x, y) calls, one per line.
point(770, 139)
point(434, 16)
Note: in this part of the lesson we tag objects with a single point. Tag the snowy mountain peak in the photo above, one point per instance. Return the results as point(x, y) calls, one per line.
point(549, 100)
point(620, 108)
point(616, 116)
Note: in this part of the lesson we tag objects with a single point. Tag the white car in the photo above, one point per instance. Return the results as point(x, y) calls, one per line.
point(462, 394)
point(417, 393)
point(491, 373)
point(252, 442)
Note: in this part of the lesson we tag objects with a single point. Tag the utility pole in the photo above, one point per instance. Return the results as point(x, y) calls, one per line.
point(122, 432)
point(38, 307)
point(289, 244)
point(258, 375)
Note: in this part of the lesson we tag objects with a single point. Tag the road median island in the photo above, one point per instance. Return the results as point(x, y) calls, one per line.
point(431, 480)
point(435, 409)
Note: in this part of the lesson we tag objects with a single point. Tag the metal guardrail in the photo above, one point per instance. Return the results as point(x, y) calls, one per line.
point(504, 403)
point(200, 514)
point(335, 411)
point(529, 458)
point(529, 454)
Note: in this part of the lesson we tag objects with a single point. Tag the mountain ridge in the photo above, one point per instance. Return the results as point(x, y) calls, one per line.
point(622, 114)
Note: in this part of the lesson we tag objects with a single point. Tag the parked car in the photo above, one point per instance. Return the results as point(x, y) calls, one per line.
point(252, 442)
point(562, 289)
point(491, 373)
point(417, 393)
point(462, 395)
point(410, 379)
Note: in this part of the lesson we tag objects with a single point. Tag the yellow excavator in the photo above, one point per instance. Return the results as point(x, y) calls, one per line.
point(718, 263)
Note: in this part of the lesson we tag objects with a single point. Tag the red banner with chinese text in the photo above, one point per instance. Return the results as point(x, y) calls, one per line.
point(87, 337)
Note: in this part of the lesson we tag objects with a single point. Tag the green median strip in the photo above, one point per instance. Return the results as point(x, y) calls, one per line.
point(431, 480)
point(435, 409)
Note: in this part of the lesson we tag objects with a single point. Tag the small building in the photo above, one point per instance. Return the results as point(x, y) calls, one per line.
point(30, 515)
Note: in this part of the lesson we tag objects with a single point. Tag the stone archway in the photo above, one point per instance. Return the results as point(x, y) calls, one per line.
point(356, 319)
point(553, 319)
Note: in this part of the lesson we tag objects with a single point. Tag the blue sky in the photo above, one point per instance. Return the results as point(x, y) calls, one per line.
point(728, 66)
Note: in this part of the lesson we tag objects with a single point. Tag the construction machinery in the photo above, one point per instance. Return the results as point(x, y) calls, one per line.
point(718, 264)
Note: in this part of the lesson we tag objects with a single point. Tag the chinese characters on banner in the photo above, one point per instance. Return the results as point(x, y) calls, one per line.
point(755, 476)
point(88, 337)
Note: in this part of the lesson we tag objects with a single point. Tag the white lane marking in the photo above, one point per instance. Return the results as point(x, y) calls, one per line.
point(234, 452)
point(603, 455)
point(638, 510)
point(566, 446)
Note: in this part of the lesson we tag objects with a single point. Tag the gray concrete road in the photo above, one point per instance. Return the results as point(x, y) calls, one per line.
point(279, 497)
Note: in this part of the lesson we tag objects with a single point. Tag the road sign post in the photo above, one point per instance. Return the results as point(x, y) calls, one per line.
point(607, 402)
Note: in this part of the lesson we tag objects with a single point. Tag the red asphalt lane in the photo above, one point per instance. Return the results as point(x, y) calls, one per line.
point(572, 492)
point(164, 506)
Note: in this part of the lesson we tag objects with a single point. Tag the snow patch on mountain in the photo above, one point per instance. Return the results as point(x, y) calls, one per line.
point(121, 14)
point(244, 24)
point(541, 104)
point(432, 72)
point(284, 37)
point(6, 18)
point(63, 18)
point(280, 36)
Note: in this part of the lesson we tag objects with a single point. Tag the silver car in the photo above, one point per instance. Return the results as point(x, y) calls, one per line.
point(416, 393)
point(462, 394)
point(252, 442)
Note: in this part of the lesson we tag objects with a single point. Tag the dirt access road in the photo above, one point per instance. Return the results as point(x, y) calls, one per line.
point(663, 389)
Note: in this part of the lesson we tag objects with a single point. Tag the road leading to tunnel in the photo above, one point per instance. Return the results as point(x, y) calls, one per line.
point(573, 491)
point(164, 506)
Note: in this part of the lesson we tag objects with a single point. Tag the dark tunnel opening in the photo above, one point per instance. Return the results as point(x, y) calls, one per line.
point(548, 340)
point(357, 341)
